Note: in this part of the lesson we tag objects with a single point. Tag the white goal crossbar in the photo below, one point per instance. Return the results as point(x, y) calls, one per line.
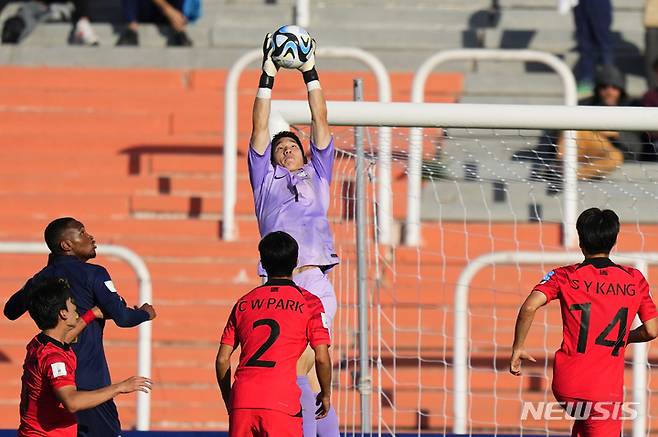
point(487, 116)
point(145, 295)
point(641, 261)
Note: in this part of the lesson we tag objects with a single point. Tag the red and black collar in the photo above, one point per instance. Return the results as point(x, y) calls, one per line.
point(45, 339)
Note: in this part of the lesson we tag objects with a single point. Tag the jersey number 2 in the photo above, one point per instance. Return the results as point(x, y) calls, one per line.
point(621, 318)
point(275, 331)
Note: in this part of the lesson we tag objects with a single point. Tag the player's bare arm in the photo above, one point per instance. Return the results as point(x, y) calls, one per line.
point(323, 370)
point(645, 332)
point(74, 400)
point(320, 132)
point(523, 323)
point(260, 134)
point(82, 323)
point(176, 18)
point(223, 371)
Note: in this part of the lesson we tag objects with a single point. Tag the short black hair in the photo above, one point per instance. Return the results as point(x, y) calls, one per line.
point(597, 230)
point(46, 300)
point(54, 231)
point(286, 134)
point(278, 253)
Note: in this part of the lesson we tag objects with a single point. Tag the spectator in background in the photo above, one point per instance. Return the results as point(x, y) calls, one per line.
point(175, 13)
point(650, 99)
point(31, 13)
point(651, 41)
point(599, 153)
point(593, 21)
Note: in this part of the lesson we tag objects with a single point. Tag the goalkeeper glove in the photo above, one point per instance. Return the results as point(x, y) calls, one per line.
point(308, 68)
point(269, 67)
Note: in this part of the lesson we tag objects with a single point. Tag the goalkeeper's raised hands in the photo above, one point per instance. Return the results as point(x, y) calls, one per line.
point(269, 67)
point(310, 61)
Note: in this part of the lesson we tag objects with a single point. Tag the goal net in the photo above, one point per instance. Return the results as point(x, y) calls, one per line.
point(483, 191)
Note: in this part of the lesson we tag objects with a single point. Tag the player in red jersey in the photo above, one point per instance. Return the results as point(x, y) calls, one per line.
point(599, 300)
point(273, 324)
point(49, 397)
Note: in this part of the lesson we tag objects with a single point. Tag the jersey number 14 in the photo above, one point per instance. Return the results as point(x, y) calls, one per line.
point(602, 340)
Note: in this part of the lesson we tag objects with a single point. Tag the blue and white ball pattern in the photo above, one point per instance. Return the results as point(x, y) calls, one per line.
point(292, 46)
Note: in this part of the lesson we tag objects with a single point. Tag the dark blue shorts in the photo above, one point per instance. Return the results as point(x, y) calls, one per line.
point(101, 421)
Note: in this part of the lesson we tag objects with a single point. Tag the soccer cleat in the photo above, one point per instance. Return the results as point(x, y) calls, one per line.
point(12, 30)
point(128, 38)
point(179, 39)
point(84, 34)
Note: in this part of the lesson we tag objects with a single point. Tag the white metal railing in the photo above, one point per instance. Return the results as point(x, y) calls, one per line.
point(570, 198)
point(641, 260)
point(231, 134)
point(145, 295)
point(302, 13)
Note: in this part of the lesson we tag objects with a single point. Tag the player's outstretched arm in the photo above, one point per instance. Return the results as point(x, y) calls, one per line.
point(114, 306)
point(16, 305)
point(320, 131)
point(260, 134)
point(323, 370)
point(74, 400)
point(523, 323)
point(223, 371)
point(645, 332)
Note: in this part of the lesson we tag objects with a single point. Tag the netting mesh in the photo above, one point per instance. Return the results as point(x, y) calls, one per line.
point(483, 191)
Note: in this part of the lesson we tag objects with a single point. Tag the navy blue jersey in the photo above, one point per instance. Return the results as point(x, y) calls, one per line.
point(91, 285)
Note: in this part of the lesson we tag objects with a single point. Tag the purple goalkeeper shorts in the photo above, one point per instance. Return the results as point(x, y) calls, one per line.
point(315, 281)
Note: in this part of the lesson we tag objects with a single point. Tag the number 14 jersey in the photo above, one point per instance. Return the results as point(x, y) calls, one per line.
point(599, 300)
point(273, 324)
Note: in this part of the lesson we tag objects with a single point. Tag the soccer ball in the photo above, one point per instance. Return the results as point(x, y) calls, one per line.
point(292, 46)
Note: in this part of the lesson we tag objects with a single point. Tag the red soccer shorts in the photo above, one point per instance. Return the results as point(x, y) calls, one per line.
point(598, 424)
point(244, 422)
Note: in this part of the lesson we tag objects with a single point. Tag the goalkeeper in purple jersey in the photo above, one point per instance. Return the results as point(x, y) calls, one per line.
point(291, 194)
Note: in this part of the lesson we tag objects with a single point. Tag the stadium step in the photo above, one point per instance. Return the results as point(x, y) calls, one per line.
point(78, 121)
point(107, 230)
point(54, 205)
